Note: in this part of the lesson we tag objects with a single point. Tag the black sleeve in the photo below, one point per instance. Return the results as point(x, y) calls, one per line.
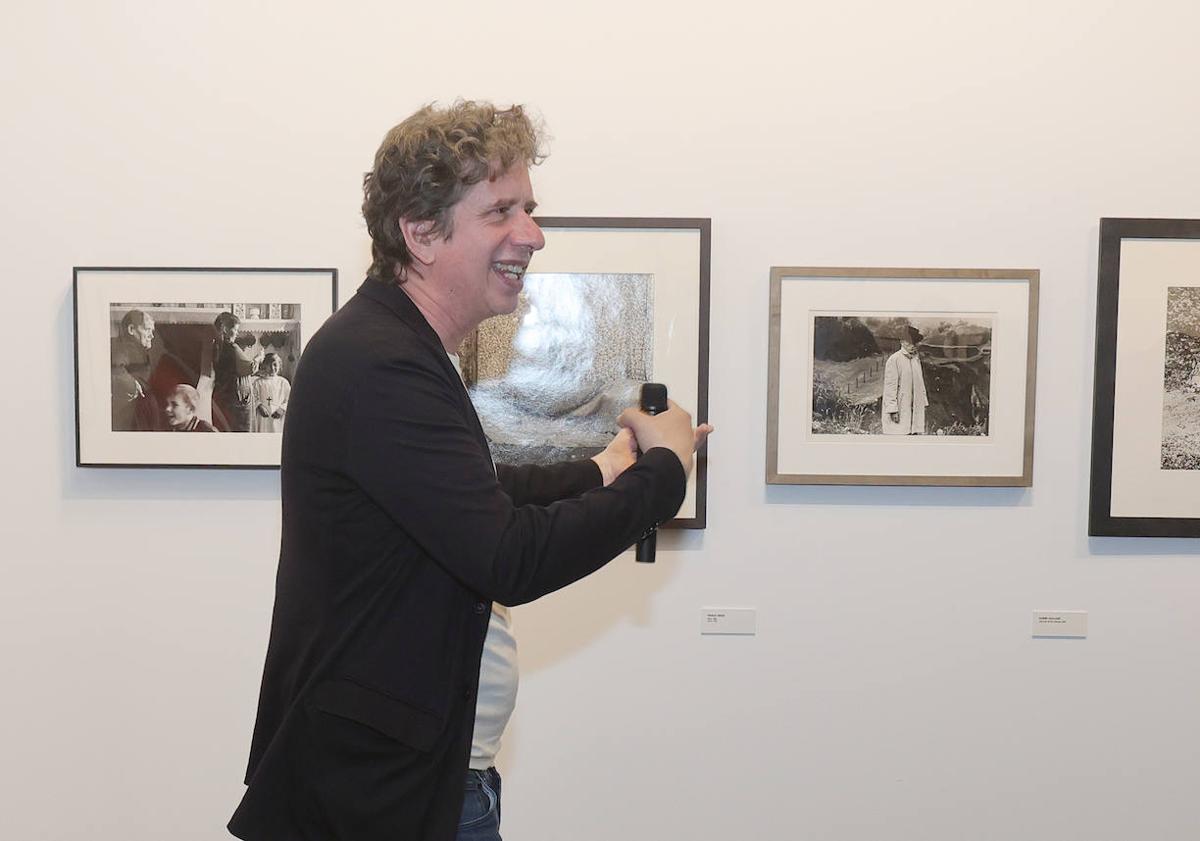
point(415, 453)
point(532, 484)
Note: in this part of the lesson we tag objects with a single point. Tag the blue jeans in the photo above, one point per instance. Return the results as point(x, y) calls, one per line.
point(480, 819)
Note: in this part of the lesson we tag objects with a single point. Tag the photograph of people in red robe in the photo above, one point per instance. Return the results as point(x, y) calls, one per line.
point(237, 359)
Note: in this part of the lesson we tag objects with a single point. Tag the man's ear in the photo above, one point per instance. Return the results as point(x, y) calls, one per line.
point(420, 238)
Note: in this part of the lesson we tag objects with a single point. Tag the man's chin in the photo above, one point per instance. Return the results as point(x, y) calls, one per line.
point(507, 304)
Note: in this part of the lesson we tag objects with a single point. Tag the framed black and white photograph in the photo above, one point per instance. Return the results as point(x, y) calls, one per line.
point(883, 376)
point(608, 304)
point(213, 350)
point(1146, 413)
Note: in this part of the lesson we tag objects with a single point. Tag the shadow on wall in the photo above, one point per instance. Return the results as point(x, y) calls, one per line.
point(900, 496)
point(567, 621)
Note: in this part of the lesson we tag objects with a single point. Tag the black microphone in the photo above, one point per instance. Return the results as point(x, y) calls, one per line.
point(654, 401)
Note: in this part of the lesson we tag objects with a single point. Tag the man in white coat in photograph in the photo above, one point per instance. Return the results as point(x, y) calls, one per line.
point(904, 395)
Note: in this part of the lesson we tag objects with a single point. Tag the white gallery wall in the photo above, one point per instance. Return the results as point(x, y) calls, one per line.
point(893, 689)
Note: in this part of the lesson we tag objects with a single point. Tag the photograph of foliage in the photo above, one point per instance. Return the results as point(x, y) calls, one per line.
point(549, 379)
point(1181, 381)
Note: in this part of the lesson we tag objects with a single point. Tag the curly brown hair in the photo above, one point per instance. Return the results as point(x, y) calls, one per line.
point(426, 164)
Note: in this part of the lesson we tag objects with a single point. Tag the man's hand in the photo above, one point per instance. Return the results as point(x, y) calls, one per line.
point(138, 392)
point(617, 457)
point(671, 429)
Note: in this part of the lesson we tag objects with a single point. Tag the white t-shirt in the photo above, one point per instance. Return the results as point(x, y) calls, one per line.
point(497, 696)
point(498, 677)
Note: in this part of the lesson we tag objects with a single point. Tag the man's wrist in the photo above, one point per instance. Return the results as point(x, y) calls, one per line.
point(607, 470)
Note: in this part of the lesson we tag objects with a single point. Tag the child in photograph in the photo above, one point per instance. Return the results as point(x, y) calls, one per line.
point(271, 393)
point(180, 409)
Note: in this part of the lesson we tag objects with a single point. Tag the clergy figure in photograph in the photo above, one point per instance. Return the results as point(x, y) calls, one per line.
point(133, 408)
point(904, 395)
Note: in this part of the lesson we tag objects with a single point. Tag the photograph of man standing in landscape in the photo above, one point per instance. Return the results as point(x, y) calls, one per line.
point(902, 374)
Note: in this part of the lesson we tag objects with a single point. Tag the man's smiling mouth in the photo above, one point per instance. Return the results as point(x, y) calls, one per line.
point(510, 271)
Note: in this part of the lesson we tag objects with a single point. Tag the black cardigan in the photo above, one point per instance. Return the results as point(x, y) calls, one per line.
point(397, 536)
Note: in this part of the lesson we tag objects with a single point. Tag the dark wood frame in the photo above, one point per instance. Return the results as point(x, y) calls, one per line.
point(182, 269)
point(700, 411)
point(1100, 519)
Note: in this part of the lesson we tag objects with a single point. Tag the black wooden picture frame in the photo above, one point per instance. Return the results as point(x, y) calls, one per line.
point(1114, 234)
point(290, 304)
point(677, 252)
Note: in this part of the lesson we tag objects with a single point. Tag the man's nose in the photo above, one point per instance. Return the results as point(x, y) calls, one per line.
point(529, 234)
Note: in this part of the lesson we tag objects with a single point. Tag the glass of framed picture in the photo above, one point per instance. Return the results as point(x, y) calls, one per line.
point(211, 350)
point(1146, 414)
point(608, 304)
point(881, 376)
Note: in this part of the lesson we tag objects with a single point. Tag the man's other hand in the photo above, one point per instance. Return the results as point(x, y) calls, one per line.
point(671, 429)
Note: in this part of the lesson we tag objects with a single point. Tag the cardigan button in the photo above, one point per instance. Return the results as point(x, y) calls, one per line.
point(480, 607)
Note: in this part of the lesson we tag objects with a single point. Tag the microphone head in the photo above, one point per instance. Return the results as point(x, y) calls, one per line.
point(654, 398)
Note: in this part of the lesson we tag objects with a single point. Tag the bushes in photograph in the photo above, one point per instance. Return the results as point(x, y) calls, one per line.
point(839, 339)
point(957, 428)
point(835, 414)
point(1183, 310)
point(1182, 356)
point(1181, 453)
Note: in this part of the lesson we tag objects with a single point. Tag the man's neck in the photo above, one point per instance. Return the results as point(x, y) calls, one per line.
point(450, 330)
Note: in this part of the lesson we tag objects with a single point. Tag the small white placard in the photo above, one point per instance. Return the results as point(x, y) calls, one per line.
point(1060, 623)
point(728, 620)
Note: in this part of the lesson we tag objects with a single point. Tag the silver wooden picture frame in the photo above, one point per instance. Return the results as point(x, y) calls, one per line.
point(901, 376)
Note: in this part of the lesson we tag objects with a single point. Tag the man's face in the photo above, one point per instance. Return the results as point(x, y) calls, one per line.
point(906, 346)
point(229, 331)
point(143, 334)
point(273, 366)
point(178, 410)
point(482, 265)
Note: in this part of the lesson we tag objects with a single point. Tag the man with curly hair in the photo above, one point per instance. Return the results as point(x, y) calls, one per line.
point(390, 671)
